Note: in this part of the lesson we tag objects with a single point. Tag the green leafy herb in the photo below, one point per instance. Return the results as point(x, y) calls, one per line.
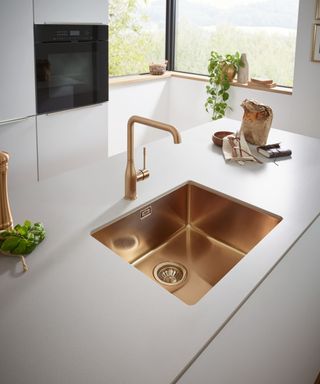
point(22, 239)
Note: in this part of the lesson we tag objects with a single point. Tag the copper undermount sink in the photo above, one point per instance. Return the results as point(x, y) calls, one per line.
point(188, 239)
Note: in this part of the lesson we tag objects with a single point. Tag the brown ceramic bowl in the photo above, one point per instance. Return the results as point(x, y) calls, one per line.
point(217, 138)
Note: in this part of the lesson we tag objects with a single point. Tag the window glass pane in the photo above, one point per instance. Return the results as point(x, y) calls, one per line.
point(263, 29)
point(136, 35)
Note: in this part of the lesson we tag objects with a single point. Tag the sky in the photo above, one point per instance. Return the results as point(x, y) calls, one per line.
point(225, 4)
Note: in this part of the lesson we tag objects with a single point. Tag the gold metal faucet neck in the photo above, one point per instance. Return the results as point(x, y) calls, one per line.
point(131, 176)
point(154, 124)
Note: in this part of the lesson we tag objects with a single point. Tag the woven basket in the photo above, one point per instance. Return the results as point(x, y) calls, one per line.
point(158, 69)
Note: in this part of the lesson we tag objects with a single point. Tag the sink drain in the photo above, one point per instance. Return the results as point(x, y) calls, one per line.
point(170, 273)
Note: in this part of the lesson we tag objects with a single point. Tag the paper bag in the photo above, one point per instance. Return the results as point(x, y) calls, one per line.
point(256, 122)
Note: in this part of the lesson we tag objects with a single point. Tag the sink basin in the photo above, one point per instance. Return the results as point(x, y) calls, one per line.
point(188, 239)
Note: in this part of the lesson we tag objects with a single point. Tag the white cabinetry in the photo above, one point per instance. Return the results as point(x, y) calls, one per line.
point(71, 139)
point(17, 92)
point(71, 11)
point(18, 138)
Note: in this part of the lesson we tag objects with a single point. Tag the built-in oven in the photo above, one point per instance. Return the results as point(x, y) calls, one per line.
point(71, 66)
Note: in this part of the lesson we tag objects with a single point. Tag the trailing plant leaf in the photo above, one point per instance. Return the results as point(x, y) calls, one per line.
point(225, 96)
point(219, 83)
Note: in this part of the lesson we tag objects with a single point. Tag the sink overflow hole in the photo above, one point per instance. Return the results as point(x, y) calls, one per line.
point(125, 242)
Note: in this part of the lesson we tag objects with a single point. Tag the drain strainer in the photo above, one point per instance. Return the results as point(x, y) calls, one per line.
point(170, 273)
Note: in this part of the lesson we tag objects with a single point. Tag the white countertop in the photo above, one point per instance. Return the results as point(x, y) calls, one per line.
point(83, 315)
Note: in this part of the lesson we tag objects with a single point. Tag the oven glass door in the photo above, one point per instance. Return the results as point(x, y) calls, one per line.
point(70, 75)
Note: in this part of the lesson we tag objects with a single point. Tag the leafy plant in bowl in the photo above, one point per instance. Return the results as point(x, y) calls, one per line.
point(22, 240)
point(222, 70)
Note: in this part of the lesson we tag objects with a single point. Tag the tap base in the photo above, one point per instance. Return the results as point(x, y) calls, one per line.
point(142, 174)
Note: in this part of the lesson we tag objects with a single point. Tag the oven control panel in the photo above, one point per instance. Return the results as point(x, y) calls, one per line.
point(72, 34)
point(46, 33)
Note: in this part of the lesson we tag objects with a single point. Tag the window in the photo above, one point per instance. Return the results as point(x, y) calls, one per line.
point(136, 35)
point(263, 29)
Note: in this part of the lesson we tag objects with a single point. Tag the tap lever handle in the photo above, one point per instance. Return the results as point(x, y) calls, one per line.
point(143, 173)
point(144, 157)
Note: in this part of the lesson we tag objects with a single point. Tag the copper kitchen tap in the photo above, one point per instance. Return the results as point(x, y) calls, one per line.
point(5, 212)
point(131, 176)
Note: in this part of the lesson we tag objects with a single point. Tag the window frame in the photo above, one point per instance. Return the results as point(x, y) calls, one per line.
point(170, 43)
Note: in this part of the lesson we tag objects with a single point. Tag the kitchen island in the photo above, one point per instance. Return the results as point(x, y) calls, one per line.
point(83, 315)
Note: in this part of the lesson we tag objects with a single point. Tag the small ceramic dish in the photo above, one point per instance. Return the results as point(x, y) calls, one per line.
point(158, 69)
point(217, 138)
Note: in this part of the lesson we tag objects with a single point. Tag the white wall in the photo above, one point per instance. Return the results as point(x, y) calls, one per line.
point(171, 100)
point(187, 98)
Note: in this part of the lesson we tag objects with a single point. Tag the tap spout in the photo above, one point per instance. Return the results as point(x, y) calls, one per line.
point(131, 176)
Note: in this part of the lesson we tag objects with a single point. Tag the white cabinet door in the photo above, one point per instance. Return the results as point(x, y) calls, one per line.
point(17, 91)
point(19, 139)
point(70, 11)
point(71, 139)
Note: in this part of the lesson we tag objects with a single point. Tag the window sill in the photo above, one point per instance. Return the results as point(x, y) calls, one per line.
point(123, 80)
point(130, 79)
point(190, 76)
point(277, 89)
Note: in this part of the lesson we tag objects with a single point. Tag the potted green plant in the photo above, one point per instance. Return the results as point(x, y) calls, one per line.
point(222, 70)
